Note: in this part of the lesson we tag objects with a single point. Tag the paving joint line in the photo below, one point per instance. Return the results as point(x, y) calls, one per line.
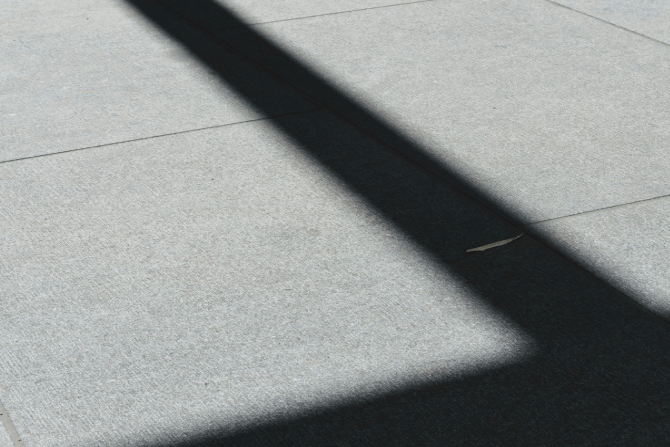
point(431, 1)
point(556, 247)
point(324, 106)
point(9, 426)
point(541, 239)
point(608, 22)
point(159, 136)
point(4, 416)
point(597, 210)
point(328, 14)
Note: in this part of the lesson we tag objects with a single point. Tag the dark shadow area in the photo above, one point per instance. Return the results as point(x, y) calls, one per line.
point(600, 376)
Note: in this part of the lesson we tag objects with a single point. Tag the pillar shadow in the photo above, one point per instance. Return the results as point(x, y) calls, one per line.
point(600, 375)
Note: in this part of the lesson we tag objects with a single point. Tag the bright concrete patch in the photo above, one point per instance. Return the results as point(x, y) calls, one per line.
point(260, 11)
point(648, 17)
point(628, 246)
point(546, 111)
point(290, 282)
point(159, 289)
point(83, 73)
point(5, 440)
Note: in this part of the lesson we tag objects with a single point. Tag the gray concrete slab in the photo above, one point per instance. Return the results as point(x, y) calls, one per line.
point(157, 288)
point(291, 283)
point(627, 246)
point(83, 73)
point(5, 440)
point(648, 17)
point(545, 111)
point(262, 11)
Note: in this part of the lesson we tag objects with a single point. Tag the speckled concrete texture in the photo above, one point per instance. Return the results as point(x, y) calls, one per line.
point(302, 279)
point(91, 72)
point(647, 17)
point(292, 283)
point(215, 277)
point(262, 11)
point(628, 246)
point(5, 440)
point(546, 111)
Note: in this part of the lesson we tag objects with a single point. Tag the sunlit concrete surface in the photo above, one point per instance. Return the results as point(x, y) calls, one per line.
point(5, 440)
point(547, 111)
point(219, 234)
point(647, 17)
point(261, 11)
point(91, 72)
point(627, 245)
point(215, 277)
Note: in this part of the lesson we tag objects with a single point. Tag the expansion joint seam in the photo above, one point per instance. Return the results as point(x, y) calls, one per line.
point(502, 215)
point(608, 22)
point(350, 11)
point(151, 137)
point(596, 210)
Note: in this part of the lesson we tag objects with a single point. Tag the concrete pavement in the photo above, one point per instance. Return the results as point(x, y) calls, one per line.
point(245, 223)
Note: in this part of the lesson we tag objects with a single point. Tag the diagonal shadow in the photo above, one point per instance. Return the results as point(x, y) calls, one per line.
point(600, 374)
